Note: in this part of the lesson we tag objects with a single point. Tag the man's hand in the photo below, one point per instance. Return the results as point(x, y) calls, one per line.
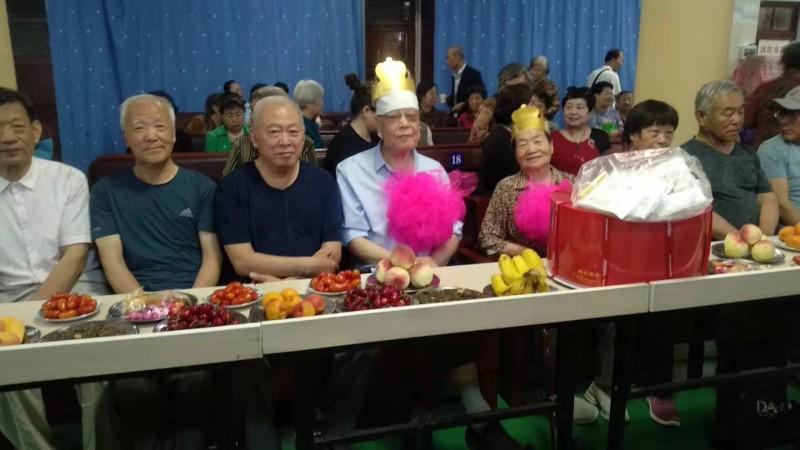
point(320, 263)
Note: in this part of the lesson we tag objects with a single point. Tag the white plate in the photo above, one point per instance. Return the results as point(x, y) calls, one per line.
point(260, 293)
point(780, 244)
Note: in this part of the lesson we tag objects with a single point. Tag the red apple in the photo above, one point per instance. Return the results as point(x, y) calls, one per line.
point(796, 260)
point(421, 275)
point(317, 301)
point(750, 233)
point(402, 256)
point(398, 277)
point(380, 270)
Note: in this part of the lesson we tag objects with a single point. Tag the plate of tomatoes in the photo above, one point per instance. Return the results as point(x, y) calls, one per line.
point(68, 308)
point(335, 284)
point(235, 295)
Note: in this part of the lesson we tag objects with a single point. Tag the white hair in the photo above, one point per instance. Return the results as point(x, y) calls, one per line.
point(711, 90)
point(123, 108)
point(276, 101)
point(308, 92)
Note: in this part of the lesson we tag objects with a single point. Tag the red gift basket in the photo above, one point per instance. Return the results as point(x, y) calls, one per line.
point(590, 249)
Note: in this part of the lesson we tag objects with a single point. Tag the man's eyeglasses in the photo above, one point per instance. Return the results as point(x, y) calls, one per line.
point(785, 113)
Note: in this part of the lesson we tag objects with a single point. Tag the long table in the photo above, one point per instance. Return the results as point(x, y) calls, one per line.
point(37, 364)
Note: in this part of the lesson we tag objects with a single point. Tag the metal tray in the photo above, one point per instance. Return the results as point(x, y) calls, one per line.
point(162, 325)
point(718, 250)
point(68, 333)
point(116, 310)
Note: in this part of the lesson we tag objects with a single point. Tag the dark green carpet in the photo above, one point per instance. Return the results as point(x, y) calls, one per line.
point(696, 408)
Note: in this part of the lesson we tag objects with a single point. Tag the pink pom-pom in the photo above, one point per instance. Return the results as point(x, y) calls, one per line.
point(532, 213)
point(422, 210)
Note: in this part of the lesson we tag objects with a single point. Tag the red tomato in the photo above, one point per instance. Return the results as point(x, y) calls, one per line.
point(252, 295)
point(90, 304)
point(62, 304)
point(73, 302)
point(85, 310)
point(234, 284)
point(86, 300)
point(356, 273)
point(338, 287)
point(68, 314)
point(355, 283)
point(214, 300)
point(51, 314)
point(230, 296)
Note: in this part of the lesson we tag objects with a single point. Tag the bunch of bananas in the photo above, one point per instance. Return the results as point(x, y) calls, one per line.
point(521, 274)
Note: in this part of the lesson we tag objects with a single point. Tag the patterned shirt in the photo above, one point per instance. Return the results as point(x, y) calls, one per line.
point(242, 151)
point(498, 226)
point(756, 113)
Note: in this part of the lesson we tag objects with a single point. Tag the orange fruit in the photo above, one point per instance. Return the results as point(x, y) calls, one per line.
point(797, 229)
point(290, 302)
point(786, 233)
point(270, 296)
point(289, 292)
point(275, 311)
point(794, 241)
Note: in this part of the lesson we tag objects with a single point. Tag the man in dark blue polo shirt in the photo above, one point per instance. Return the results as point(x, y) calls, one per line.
point(279, 216)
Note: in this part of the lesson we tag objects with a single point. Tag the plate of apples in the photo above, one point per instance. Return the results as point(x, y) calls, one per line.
point(402, 271)
point(748, 243)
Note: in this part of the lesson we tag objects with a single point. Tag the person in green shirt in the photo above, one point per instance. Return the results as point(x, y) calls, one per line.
point(310, 96)
point(233, 130)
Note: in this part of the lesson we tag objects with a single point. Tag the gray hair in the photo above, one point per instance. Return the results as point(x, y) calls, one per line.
point(266, 91)
point(123, 108)
point(276, 101)
point(540, 59)
point(308, 92)
point(457, 50)
point(513, 70)
point(711, 90)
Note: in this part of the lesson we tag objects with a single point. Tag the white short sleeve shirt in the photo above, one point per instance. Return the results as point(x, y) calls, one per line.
point(44, 211)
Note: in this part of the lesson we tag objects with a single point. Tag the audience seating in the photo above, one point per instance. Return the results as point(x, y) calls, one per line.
point(453, 135)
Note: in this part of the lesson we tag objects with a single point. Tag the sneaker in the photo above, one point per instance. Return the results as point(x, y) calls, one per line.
point(491, 436)
point(663, 411)
point(599, 398)
point(583, 412)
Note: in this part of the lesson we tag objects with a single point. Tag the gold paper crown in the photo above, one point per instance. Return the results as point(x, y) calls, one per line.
point(528, 118)
point(391, 76)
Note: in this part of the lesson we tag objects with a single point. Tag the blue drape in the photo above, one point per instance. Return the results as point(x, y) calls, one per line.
point(574, 35)
point(106, 50)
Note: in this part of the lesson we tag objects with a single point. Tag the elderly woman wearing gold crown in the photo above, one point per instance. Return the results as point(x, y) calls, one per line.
point(518, 215)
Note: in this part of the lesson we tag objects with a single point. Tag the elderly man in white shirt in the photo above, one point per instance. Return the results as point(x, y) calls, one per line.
point(609, 72)
point(44, 215)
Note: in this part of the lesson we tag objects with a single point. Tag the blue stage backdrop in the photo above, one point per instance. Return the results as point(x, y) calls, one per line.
point(106, 50)
point(574, 35)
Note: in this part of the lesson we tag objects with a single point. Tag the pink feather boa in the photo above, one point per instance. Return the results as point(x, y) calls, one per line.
point(532, 212)
point(421, 210)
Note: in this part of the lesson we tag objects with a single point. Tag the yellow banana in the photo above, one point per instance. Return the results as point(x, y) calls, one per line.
point(516, 287)
point(534, 261)
point(499, 287)
point(542, 282)
point(529, 285)
point(520, 264)
point(507, 270)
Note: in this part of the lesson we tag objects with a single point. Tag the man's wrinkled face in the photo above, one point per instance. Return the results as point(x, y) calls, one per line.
point(399, 128)
point(724, 120)
point(149, 131)
point(18, 135)
point(789, 123)
point(279, 136)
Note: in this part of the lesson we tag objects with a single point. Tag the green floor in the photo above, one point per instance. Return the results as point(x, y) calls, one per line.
point(696, 408)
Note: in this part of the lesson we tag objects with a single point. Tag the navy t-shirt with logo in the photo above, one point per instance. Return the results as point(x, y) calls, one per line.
point(158, 224)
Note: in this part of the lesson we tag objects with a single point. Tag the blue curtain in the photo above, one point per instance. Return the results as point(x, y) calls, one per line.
point(574, 35)
point(106, 50)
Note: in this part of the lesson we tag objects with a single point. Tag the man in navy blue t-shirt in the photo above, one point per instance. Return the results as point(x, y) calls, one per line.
point(277, 216)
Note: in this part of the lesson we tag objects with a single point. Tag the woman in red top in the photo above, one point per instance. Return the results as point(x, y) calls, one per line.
point(577, 143)
point(476, 95)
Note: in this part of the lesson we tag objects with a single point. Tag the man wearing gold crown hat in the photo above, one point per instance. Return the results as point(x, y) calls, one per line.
point(366, 234)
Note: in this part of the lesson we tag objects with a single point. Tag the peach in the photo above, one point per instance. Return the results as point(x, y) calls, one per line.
point(750, 233)
point(303, 309)
point(735, 246)
point(421, 275)
point(275, 310)
point(398, 277)
point(763, 251)
point(380, 270)
point(8, 338)
point(317, 301)
point(402, 256)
